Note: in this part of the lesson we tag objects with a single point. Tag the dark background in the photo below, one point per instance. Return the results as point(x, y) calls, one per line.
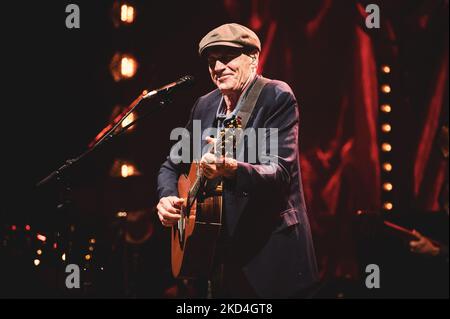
point(58, 93)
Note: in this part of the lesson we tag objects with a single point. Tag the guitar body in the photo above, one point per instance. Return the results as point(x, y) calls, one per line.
point(194, 236)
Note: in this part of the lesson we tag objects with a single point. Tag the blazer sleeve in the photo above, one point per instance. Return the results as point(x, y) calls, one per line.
point(274, 172)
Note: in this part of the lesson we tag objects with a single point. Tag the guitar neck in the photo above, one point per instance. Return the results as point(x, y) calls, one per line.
point(201, 179)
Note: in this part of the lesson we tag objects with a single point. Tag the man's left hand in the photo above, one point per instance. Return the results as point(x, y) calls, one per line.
point(214, 166)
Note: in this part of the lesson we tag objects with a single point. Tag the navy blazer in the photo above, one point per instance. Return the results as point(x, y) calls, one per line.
point(265, 214)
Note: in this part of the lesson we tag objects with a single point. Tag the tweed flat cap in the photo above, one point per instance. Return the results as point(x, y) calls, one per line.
point(232, 35)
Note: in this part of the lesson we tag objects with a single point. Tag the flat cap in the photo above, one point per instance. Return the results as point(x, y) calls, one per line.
point(232, 35)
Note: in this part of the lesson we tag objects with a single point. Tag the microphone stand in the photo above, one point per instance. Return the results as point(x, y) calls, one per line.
point(165, 92)
point(113, 132)
point(58, 174)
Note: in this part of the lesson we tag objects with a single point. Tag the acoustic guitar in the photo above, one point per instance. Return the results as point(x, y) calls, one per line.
point(195, 235)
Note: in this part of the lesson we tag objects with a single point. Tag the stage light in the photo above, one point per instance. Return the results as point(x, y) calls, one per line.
point(388, 206)
point(122, 214)
point(123, 13)
point(386, 147)
point(92, 241)
point(386, 88)
point(91, 248)
point(387, 167)
point(63, 257)
point(126, 170)
point(128, 120)
point(37, 262)
point(13, 227)
point(387, 187)
point(386, 69)
point(39, 252)
point(128, 66)
point(386, 128)
point(127, 13)
point(386, 108)
point(123, 66)
point(87, 257)
point(27, 227)
point(55, 245)
point(41, 237)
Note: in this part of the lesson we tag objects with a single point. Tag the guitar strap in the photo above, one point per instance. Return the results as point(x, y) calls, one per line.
point(249, 103)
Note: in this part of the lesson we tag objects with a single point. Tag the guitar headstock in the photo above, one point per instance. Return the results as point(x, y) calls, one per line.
point(226, 141)
point(233, 123)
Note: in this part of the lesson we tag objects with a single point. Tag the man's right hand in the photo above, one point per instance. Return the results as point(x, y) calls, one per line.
point(169, 210)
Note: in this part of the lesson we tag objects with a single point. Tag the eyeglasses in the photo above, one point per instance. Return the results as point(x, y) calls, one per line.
point(225, 59)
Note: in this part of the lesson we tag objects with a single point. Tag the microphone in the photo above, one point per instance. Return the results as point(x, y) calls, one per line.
point(184, 81)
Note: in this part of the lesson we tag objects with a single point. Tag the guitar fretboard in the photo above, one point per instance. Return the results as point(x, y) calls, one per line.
point(201, 179)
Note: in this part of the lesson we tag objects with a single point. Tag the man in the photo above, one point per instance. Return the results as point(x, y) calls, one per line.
point(265, 248)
